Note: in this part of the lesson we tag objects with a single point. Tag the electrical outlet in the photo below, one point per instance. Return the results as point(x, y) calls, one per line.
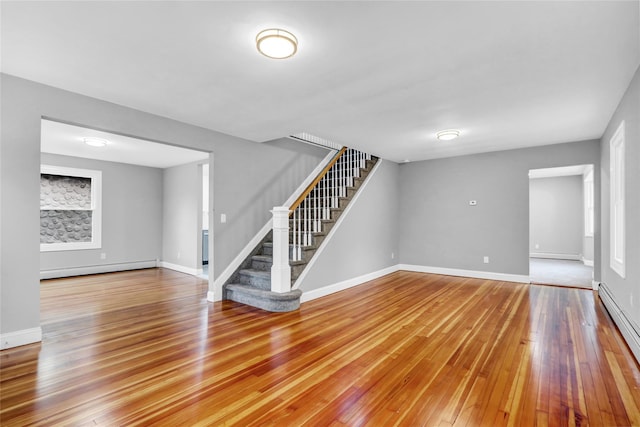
point(178, 255)
point(223, 218)
point(486, 260)
point(537, 246)
point(103, 255)
point(393, 255)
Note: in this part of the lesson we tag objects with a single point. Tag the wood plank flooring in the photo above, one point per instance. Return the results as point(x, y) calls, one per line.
point(146, 348)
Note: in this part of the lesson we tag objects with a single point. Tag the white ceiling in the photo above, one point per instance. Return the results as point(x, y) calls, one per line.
point(378, 76)
point(65, 139)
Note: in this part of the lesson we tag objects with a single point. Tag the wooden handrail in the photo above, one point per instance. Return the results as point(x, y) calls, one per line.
point(316, 180)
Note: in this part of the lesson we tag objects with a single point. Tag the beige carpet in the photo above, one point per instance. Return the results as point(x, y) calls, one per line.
point(560, 272)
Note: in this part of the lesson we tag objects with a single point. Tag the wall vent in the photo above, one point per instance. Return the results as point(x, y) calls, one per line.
point(316, 140)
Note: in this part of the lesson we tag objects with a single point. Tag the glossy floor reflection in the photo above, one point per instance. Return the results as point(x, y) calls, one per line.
point(146, 348)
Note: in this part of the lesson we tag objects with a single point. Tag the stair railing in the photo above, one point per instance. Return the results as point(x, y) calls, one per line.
point(294, 226)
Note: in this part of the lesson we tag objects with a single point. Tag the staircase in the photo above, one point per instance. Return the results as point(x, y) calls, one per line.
point(312, 217)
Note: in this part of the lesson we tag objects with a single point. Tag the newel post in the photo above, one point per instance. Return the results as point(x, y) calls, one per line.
point(280, 270)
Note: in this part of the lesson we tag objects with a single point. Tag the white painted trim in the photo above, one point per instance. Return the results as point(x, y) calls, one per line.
point(211, 296)
point(595, 285)
point(336, 226)
point(505, 277)
point(550, 255)
point(181, 268)
point(309, 179)
point(280, 268)
point(96, 208)
point(18, 338)
point(242, 255)
point(587, 262)
point(346, 284)
point(356, 281)
point(617, 201)
point(630, 334)
point(250, 246)
point(96, 269)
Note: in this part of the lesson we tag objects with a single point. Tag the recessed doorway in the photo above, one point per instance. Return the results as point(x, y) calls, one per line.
point(561, 222)
point(151, 201)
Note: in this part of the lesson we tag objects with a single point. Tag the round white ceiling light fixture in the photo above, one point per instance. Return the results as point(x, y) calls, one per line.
point(95, 142)
point(276, 43)
point(448, 134)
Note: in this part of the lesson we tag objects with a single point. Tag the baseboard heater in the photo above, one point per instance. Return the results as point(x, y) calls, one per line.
point(96, 269)
point(629, 329)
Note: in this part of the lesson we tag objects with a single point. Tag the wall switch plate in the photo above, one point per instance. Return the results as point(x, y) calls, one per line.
point(223, 218)
point(486, 260)
point(472, 202)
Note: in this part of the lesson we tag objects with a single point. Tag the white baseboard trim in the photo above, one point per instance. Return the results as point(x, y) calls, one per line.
point(250, 246)
point(181, 268)
point(587, 262)
point(242, 255)
point(346, 284)
point(630, 334)
point(505, 277)
point(335, 227)
point(548, 255)
point(96, 269)
point(18, 338)
point(595, 285)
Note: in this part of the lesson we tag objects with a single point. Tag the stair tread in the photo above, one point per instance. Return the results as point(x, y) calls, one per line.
point(257, 291)
point(252, 284)
point(304, 248)
point(270, 258)
point(253, 272)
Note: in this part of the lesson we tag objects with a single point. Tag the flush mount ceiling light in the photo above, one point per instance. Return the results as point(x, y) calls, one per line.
point(276, 43)
point(95, 142)
point(448, 135)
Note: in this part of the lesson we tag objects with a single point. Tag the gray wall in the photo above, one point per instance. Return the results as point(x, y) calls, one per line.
point(131, 215)
point(556, 216)
point(438, 227)
point(248, 183)
point(587, 248)
point(181, 226)
point(623, 289)
point(248, 178)
point(367, 236)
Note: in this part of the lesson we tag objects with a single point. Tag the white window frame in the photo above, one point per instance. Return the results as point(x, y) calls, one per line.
point(617, 244)
point(589, 208)
point(96, 208)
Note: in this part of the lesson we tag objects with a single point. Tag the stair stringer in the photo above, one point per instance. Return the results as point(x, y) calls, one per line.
point(334, 229)
point(256, 242)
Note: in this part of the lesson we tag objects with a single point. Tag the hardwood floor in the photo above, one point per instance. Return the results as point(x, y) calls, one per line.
point(146, 348)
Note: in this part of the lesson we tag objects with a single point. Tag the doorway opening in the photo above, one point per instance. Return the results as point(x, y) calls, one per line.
point(151, 202)
point(205, 220)
point(561, 222)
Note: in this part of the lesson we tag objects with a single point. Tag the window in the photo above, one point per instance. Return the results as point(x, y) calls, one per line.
point(617, 217)
point(588, 203)
point(70, 208)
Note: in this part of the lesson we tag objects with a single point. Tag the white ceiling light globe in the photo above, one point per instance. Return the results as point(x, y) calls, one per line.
point(276, 43)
